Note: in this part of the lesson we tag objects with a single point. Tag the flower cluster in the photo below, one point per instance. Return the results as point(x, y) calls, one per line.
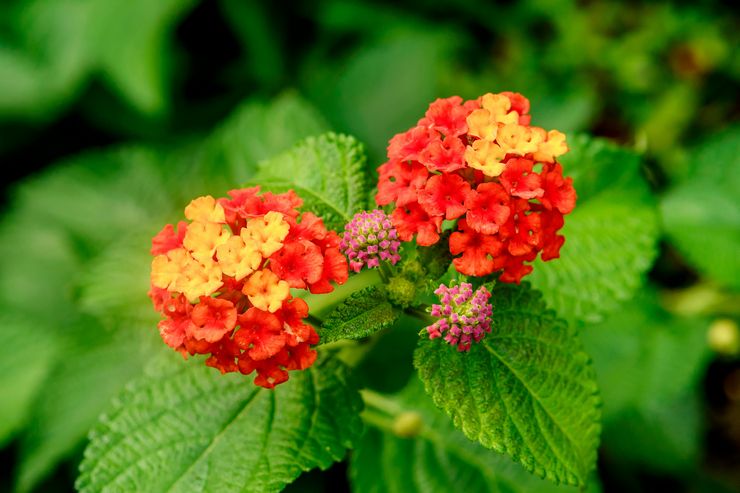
point(481, 163)
point(369, 238)
point(464, 315)
point(223, 280)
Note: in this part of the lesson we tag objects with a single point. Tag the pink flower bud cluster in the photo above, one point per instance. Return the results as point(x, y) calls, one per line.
point(464, 315)
point(369, 238)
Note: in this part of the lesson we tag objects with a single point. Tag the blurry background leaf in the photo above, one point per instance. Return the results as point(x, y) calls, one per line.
point(649, 365)
point(702, 215)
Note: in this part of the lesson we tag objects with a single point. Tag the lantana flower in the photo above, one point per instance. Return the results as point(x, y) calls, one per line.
point(481, 164)
point(222, 282)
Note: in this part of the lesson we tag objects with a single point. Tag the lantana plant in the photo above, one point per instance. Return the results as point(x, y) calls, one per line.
point(299, 276)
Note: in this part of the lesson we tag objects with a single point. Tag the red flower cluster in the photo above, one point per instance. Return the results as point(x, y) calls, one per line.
point(223, 282)
point(481, 163)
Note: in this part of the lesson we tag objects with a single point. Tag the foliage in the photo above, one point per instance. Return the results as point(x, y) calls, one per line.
point(605, 353)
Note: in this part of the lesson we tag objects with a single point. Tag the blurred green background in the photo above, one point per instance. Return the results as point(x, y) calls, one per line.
point(113, 114)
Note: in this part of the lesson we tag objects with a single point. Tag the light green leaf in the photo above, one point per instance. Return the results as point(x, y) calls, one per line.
point(114, 285)
point(701, 215)
point(26, 356)
point(649, 365)
point(185, 427)
point(95, 366)
point(100, 196)
point(410, 446)
point(362, 314)
point(528, 389)
point(327, 172)
point(610, 237)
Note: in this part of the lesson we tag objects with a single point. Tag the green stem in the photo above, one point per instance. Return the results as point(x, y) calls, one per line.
point(380, 402)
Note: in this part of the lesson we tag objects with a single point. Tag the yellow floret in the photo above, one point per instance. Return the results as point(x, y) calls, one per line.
point(203, 238)
point(178, 271)
point(199, 279)
point(485, 156)
point(551, 148)
point(205, 209)
point(265, 290)
point(166, 269)
point(518, 139)
point(482, 125)
point(499, 107)
point(268, 232)
point(238, 258)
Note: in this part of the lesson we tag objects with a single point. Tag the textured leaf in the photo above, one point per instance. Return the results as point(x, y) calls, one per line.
point(185, 427)
point(254, 132)
point(26, 356)
point(362, 314)
point(95, 366)
point(528, 389)
point(328, 172)
point(649, 366)
point(701, 215)
point(609, 238)
point(410, 446)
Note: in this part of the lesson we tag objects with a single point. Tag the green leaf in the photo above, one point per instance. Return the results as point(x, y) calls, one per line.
point(385, 86)
point(99, 196)
point(327, 172)
point(610, 237)
point(528, 389)
point(701, 215)
point(26, 356)
point(131, 42)
point(362, 314)
point(254, 132)
point(649, 366)
point(185, 427)
point(93, 366)
point(410, 446)
point(44, 57)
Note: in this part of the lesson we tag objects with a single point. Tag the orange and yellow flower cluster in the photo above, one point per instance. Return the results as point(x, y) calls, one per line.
point(483, 165)
point(223, 280)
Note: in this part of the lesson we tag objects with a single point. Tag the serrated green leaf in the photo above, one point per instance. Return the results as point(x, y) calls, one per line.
point(610, 237)
point(528, 389)
point(649, 365)
point(185, 427)
point(411, 446)
point(327, 172)
point(701, 215)
point(95, 365)
point(26, 356)
point(363, 313)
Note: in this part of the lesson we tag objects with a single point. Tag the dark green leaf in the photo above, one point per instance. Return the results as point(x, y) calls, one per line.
point(528, 389)
point(362, 314)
